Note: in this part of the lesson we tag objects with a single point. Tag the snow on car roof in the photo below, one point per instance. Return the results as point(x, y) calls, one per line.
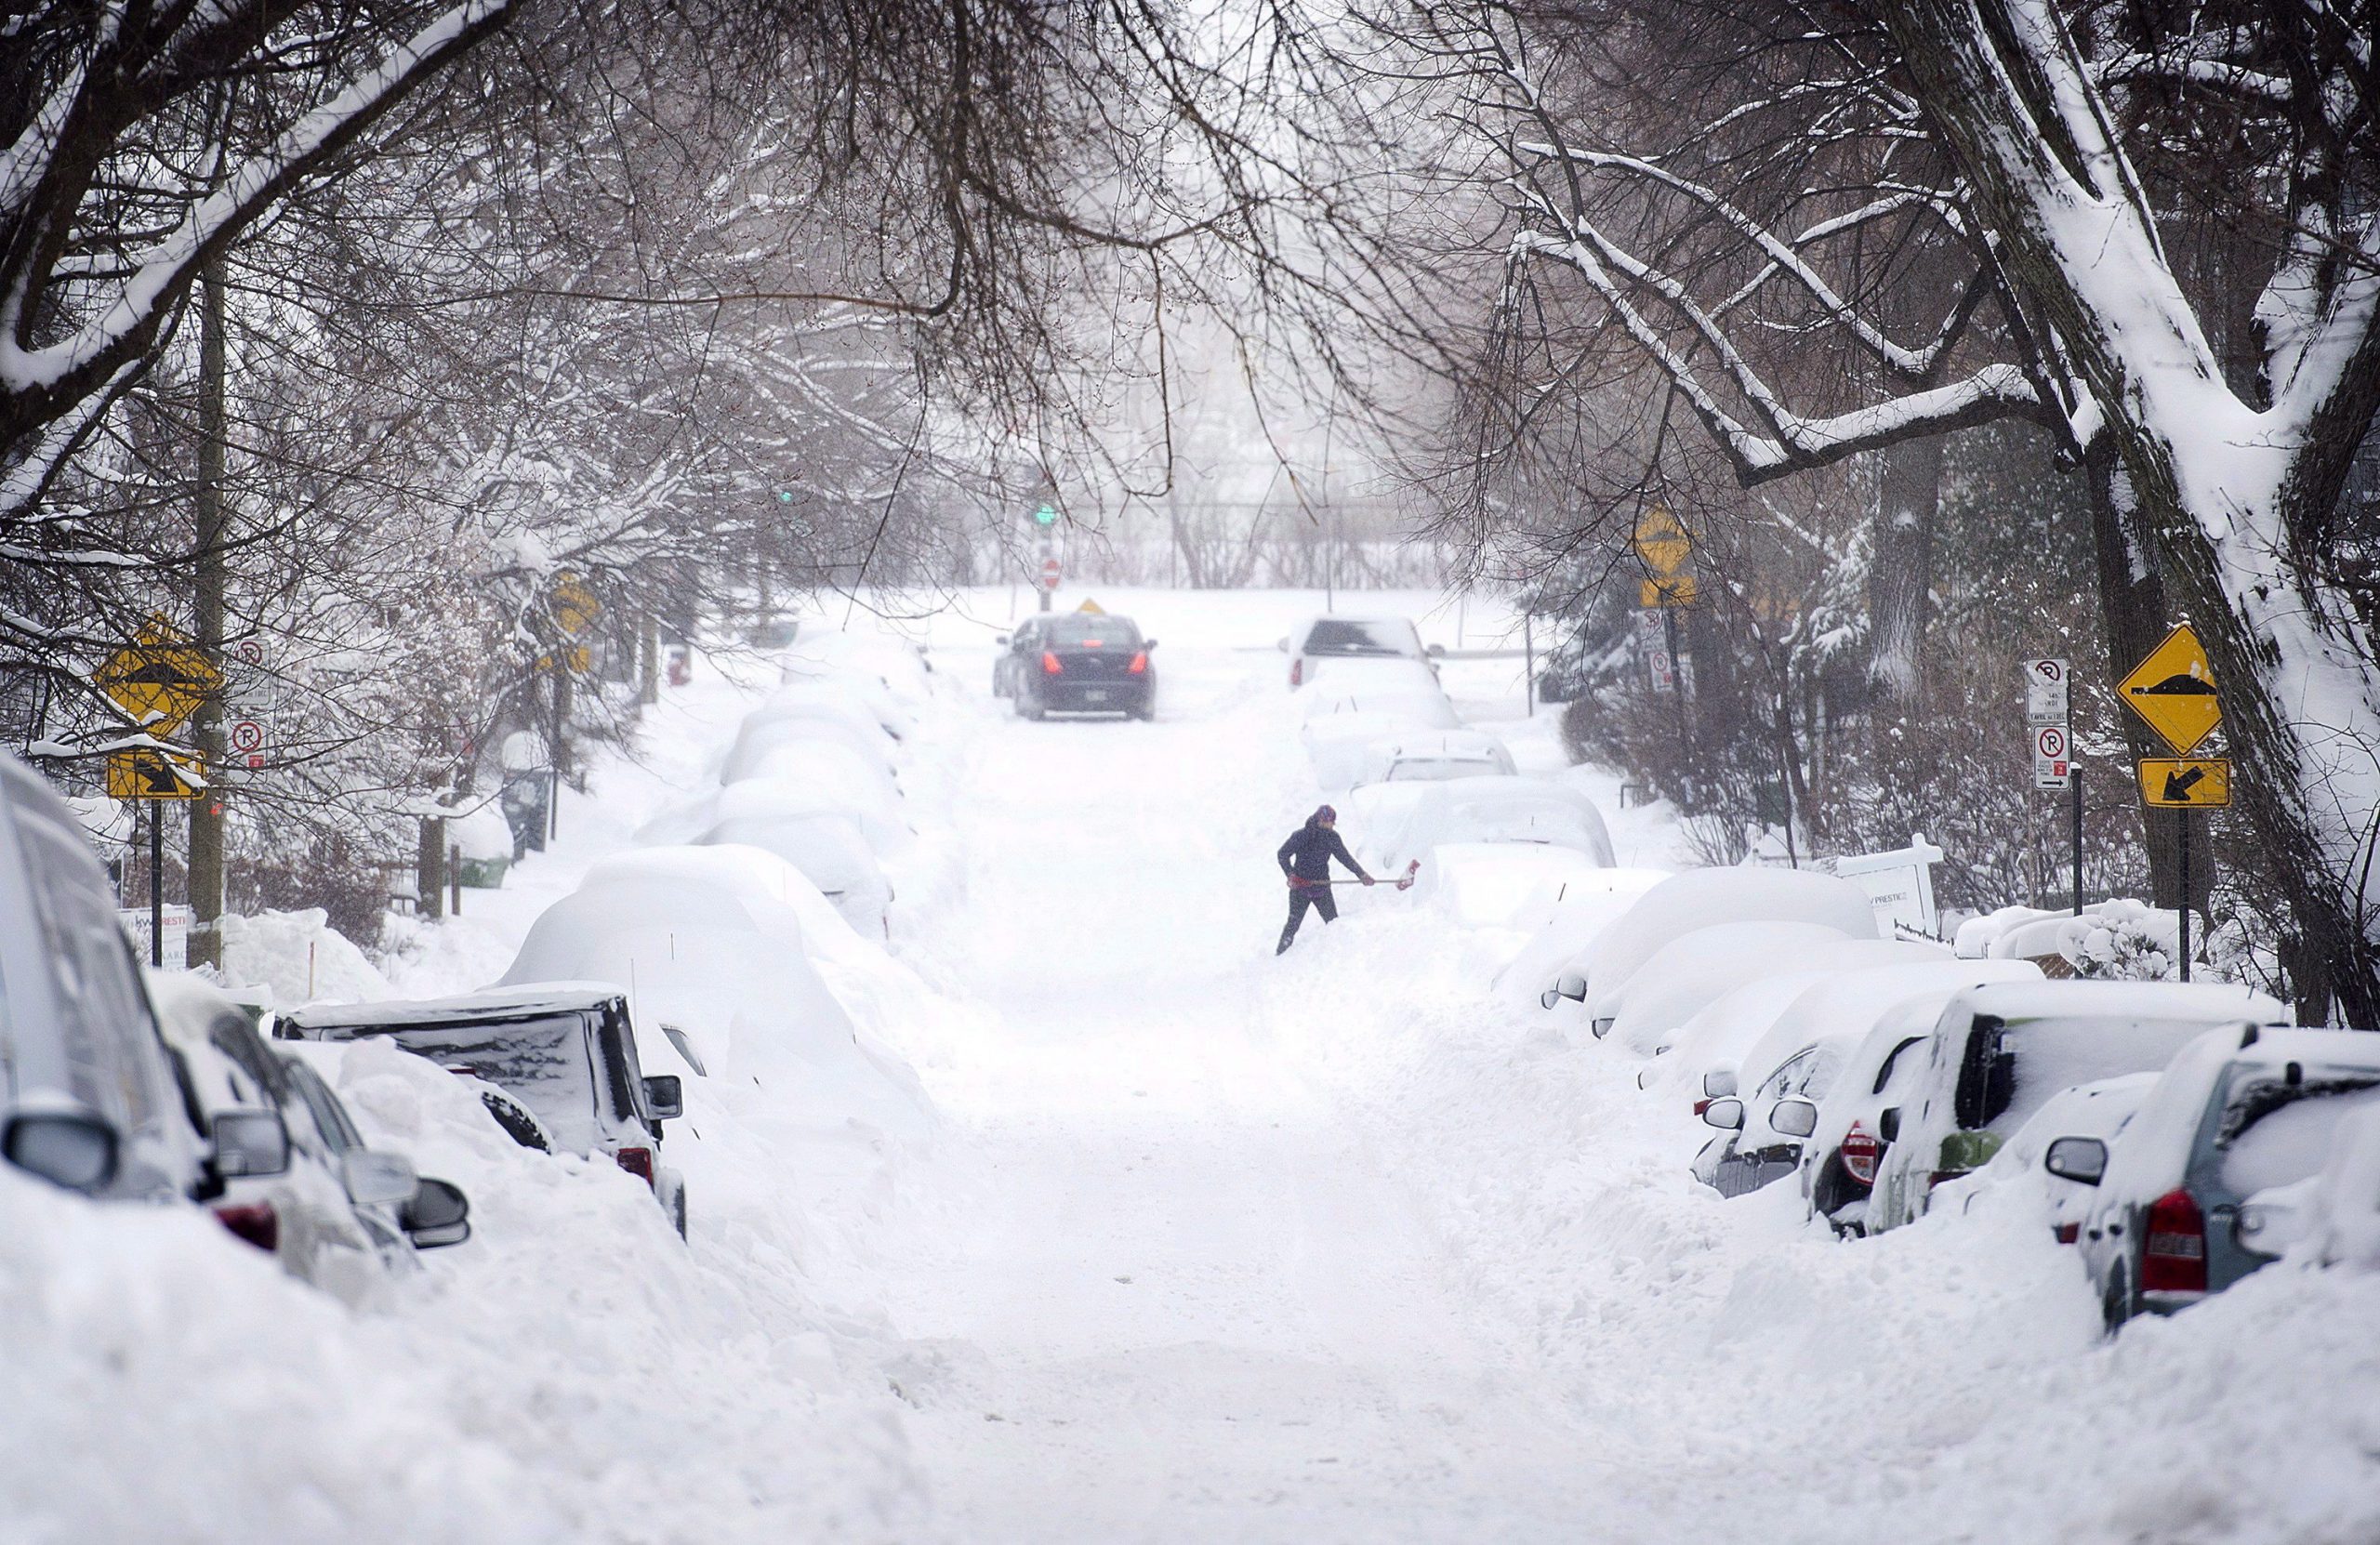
point(2211, 1001)
point(518, 1002)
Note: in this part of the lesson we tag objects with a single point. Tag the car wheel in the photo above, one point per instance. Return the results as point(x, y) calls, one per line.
point(1027, 707)
point(1000, 683)
point(1145, 712)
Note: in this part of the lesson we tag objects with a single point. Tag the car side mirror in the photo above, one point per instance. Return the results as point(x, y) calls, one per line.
point(1436, 652)
point(439, 1214)
point(1602, 1027)
point(663, 1093)
point(250, 1143)
point(65, 1148)
point(1793, 1118)
point(1719, 1083)
point(1572, 986)
point(1148, 643)
point(1281, 644)
point(1726, 1115)
point(1888, 1124)
point(376, 1180)
point(2083, 1160)
point(1002, 641)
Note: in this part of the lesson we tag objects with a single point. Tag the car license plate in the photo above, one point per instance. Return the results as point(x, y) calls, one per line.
point(1096, 694)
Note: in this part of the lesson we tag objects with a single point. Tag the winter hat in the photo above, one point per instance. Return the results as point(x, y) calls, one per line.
point(1322, 813)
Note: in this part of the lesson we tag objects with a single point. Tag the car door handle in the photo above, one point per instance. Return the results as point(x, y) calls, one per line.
point(2091, 1234)
point(2114, 1229)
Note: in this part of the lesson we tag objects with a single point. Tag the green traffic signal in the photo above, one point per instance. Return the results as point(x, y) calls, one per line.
point(1045, 516)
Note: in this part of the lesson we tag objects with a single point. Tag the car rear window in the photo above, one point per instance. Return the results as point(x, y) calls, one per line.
point(2010, 1076)
point(542, 1062)
point(1350, 636)
point(1107, 632)
point(2275, 1133)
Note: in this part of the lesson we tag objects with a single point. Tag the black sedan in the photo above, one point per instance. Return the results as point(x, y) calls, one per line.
point(1085, 663)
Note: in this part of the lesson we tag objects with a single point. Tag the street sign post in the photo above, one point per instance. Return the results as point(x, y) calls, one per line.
point(1051, 572)
point(2053, 761)
point(2173, 691)
point(2049, 707)
point(2046, 698)
point(1653, 645)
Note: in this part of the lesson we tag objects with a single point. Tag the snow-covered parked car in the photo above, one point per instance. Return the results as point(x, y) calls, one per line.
point(1787, 1077)
point(90, 1099)
point(759, 739)
point(1340, 745)
point(322, 1203)
point(566, 1050)
point(1696, 969)
point(2099, 1109)
point(2243, 1111)
point(1435, 756)
point(2334, 1219)
point(1697, 899)
point(826, 844)
point(1345, 648)
point(1997, 1053)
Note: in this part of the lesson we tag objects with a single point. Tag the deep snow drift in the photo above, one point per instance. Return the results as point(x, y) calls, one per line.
point(1169, 1240)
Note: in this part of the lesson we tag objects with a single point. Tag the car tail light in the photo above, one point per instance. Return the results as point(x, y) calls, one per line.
point(2068, 1233)
point(256, 1223)
point(1297, 672)
point(1701, 1106)
point(2173, 1256)
point(1050, 665)
point(1140, 664)
point(1093, 643)
point(638, 1162)
point(1860, 1154)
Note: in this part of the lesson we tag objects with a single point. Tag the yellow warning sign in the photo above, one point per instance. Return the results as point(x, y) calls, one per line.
point(1662, 542)
point(2174, 690)
point(1093, 608)
point(1675, 590)
point(153, 775)
point(2186, 783)
point(576, 607)
point(160, 679)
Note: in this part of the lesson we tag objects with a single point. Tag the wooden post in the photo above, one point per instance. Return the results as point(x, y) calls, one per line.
point(205, 873)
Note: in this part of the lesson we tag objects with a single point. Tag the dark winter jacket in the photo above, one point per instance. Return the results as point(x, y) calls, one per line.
point(1307, 854)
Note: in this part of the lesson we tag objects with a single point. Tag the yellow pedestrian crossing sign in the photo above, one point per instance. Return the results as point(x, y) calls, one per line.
point(159, 679)
point(1662, 542)
point(2173, 690)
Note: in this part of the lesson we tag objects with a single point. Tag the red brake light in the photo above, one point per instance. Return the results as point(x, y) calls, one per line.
point(1296, 671)
point(1094, 643)
point(1701, 1106)
point(1860, 1154)
point(638, 1162)
point(2173, 1257)
point(2068, 1233)
point(1140, 664)
point(1050, 665)
point(256, 1224)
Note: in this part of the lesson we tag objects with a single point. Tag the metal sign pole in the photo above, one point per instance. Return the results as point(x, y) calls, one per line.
point(2078, 839)
point(157, 883)
point(2184, 817)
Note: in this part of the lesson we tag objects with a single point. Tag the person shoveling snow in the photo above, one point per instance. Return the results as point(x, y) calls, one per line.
point(1306, 861)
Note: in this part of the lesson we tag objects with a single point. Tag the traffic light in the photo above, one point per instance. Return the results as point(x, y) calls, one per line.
point(1045, 516)
point(784, 495)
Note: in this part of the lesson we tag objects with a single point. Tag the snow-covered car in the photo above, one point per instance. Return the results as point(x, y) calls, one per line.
point(1435, 756)
point(1999, 1053)
point(1342, 646)
point(1504, 811)
point(1790, 1072)
point(2332, 1219)
point(1839, 1159)
point(2099, 1109)
point(1086, 663)
point(759, 738)
point(1339, 745)
point(1404, 692)
point(433, 1215)
point(1696, 969)
point(1697, 899)
point(325, 1207)
point(825, 845)
point(90, 1098)
point(822, 701)
point(566, 1050)
point(2243, 1110)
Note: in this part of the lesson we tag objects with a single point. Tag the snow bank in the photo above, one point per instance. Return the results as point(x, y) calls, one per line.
point(299, 958)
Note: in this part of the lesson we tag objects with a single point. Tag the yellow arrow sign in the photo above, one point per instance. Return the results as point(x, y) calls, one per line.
point(160, 679)
point(153, 775)
point(1662, 542)
point(2174, 690)
point(2185, 783)
point(575, 607)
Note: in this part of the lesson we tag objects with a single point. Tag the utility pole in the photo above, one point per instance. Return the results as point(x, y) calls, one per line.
point(207, 812)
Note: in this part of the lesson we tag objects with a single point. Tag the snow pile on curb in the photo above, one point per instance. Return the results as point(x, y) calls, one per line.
point(299, 958)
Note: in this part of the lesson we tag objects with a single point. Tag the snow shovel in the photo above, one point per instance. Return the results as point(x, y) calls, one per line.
point(1403, 882)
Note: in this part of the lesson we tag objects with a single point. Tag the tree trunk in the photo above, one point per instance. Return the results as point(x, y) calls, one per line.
point(1900, 568)
point(2132, 608)
point(207, 812)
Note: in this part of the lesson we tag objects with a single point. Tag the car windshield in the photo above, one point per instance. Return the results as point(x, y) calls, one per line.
point(542, 1062)
point(1348, 636)
point(2277, 1133)
point(1075, 630)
